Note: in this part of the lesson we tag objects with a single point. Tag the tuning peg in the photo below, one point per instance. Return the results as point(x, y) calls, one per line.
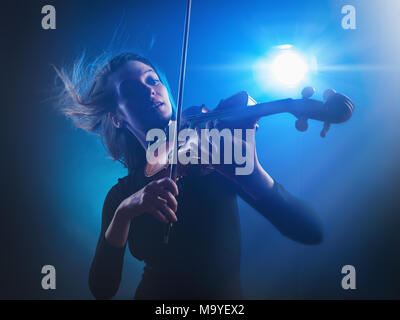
point(307, 92)
point(325, 129)
point(301, 124)
point(328, 93)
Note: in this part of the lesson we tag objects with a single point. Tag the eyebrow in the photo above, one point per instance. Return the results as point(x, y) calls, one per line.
point(149, 70)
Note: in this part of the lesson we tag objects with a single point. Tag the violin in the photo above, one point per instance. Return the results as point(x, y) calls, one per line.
point(337, 108)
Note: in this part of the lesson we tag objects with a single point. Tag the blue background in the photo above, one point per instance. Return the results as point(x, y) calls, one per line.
point(55, 177)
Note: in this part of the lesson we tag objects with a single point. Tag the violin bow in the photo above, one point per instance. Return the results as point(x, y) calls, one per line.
point(182, 73)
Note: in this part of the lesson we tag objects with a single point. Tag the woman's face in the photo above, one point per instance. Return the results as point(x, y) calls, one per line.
point(142, 100)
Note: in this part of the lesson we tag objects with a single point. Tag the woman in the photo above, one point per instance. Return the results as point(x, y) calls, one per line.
point(202, 259)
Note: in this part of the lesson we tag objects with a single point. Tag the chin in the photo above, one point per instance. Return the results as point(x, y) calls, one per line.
point(157, 118)
point(165, 113)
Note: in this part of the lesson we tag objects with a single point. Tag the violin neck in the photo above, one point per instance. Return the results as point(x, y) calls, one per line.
point(268, 108)
point(256, 111)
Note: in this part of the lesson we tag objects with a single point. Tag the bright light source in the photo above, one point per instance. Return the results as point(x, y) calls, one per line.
point(289, 68)
point(285, 69)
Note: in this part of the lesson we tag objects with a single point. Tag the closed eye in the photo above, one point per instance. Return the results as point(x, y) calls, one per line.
point(153, 80)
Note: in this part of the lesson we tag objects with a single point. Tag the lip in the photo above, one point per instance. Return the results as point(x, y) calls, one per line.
point(157, 104)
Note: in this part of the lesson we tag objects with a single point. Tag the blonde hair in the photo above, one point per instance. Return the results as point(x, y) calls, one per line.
point(85, 100)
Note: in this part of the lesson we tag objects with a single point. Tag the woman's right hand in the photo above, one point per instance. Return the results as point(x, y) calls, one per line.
point(156, 198)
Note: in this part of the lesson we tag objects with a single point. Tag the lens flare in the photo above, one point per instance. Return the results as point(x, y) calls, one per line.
point(289, 68)
point(285, 69)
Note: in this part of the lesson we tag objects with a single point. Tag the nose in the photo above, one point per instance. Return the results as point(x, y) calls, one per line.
point(150, 90)
point(147, 90)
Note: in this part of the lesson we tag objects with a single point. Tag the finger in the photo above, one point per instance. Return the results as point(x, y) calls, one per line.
point(168, 184)
point(209, 125)
point(198, 132)
point(158, 198)
point(217, 152)
point(158, 215)
point(219, 124)
point(167, 211)
point(171, 201)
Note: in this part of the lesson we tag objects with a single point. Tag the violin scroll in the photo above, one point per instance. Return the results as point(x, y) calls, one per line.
point(337, 108)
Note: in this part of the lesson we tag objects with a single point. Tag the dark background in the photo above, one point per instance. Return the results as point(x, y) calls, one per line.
point(55, 178)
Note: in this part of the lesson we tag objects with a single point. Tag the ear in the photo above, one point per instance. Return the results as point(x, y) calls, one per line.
point(114, 120)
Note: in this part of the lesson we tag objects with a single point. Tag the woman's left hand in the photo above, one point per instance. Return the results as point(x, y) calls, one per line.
point(235, 149)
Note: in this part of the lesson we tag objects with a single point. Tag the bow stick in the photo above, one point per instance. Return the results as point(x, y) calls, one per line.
point(173, 171)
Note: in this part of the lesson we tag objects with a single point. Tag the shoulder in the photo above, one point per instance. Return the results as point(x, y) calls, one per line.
point(121, 188)
point(118, 192)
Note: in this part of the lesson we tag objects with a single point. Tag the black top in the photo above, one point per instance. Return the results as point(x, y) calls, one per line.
point(202, 258)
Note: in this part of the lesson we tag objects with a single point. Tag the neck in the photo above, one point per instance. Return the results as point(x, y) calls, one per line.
point(140, 136)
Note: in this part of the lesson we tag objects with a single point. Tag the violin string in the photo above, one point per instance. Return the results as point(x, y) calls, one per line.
point(210, 115)
point(217, 113)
